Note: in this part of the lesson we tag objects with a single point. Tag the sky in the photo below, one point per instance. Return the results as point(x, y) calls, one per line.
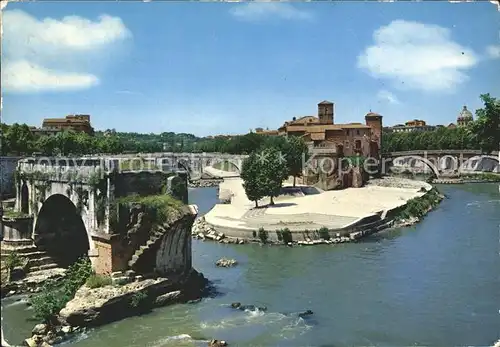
point(211, 68)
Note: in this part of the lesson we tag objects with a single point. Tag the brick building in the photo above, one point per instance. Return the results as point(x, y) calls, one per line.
point(77, 122)
point(323, 135)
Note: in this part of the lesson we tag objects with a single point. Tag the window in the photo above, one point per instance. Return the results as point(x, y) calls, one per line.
point(357, 132)
point(358, 144)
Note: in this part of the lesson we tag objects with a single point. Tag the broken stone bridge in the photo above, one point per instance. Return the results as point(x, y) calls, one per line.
point(66, 208)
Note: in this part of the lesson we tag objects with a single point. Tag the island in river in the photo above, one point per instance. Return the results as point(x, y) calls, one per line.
point(309, 215)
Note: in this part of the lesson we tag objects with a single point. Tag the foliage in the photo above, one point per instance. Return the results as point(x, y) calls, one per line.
point(274, 170)
point(159, 207)
point(486, 127)
point(296, 153)
point(419, 206)
point(13, 260)
point(483, 176)
point(98, 281)
point(440, 139)
point(251, 176)
point(179, 189)
point(263, 235)
point(54, 295)
point(286, 236)
point(138, 298)
point(279, 235)
point(18, 139)
point(9, 213)
point(324, 233)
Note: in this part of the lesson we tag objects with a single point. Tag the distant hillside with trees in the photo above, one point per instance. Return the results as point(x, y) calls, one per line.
point(17, 139)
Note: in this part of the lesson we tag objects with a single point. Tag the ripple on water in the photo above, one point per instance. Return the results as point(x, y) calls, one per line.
point(251, 324)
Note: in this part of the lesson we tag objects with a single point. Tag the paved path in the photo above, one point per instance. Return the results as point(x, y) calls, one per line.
point(332, 209)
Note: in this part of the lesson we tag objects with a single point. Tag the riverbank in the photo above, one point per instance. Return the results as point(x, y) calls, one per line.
point(96, 305)
point(323, 217)
point(476, 178)
point(363, 281)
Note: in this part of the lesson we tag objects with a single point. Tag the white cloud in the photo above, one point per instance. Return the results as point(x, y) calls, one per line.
point(493, 51)
point(387, 96)
point(417, 56)
point(259, 10)
point(23, 76)
point(48, 54)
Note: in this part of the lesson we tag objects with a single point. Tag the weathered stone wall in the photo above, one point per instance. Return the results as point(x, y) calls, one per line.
point(17, 229)
point(170, 249)
point(140, 183)
point(7, 169)
point(174, 252)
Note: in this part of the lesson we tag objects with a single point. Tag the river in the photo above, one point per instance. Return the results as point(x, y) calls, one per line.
point(435, 284)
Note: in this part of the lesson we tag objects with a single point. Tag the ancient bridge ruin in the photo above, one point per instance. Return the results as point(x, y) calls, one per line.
point(70, 207)
point(442, 162)
point(197, 165)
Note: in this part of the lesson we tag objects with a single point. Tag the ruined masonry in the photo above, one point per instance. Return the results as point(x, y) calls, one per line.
point(69, 207)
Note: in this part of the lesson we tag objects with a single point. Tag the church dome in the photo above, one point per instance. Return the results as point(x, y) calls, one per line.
point(465, 114)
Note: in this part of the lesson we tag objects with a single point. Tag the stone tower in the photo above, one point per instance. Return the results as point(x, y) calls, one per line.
point(325, 112)
point(374, 121)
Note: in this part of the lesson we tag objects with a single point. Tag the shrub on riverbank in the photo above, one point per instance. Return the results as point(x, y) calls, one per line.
point(263, 235)
point(161, 207)
point(483, 176)
point(284, 235)
point(55, 295)
point(98, 281)
point(324, 233)
point(418, 207)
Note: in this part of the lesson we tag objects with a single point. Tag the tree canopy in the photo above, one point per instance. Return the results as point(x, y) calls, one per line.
point(485, 130)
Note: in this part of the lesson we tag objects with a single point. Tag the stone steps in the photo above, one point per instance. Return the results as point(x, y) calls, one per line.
point(19, 248)
point(38, 260)
point(42, 267)
point(44, 260)
point(153, 239)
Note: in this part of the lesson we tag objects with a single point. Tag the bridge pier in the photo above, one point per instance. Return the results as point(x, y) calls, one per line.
point(70, 207)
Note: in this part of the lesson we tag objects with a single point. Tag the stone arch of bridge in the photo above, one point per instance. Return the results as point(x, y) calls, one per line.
point(448, 163)
point(426, 161)
point(183, 164)
point(490, 159)
point(60, 230)
point(226, 164)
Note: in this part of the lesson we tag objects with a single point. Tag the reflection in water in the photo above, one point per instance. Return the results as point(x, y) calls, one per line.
point(433, 284)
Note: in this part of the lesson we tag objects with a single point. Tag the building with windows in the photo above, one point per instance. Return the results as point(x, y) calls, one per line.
point(77, 122)
point(325, 136)
point(411, 125)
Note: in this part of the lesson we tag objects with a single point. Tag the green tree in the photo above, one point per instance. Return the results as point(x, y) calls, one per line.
point(251, 176)
point(486, 126)
point(274, 170)
point(296, 151)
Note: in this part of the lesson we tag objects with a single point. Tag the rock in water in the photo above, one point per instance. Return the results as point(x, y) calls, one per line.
point(224, 262)
point(217, 343)
point(305, 314)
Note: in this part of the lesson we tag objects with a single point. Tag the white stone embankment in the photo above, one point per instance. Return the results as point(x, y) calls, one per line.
point(347, 214)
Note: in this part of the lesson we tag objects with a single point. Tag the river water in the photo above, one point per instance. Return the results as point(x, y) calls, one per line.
point(435, 284)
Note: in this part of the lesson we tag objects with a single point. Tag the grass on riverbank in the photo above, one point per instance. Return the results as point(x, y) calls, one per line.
point(483, 176)
point(56, 294)
point(161, 207)
point(419, 206)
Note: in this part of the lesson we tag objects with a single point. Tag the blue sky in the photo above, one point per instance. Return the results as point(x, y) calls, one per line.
point(223, 68)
